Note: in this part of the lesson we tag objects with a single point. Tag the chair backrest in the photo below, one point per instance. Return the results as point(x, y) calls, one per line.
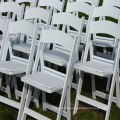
point(21, 27)
point(56, 37)
point(115, 3)
point(3, 29)
point(57, 5)
point(12, 7)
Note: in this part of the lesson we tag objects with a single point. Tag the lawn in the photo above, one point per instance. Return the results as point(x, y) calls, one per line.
point(84, 113)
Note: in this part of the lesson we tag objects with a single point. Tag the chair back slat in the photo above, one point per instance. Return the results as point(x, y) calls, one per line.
point(97, 27)
point(78, 7)
point(95, 2)
point(37, 13)
point(106, 11)
point(57, 37)
point(115, 3)
point(57, 4)
point(18, 28)
point(67, 19)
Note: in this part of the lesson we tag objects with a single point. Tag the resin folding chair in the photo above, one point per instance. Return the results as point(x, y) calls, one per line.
point(115, 3)
point(49, 80)
point(16, 64)
point(35, 15)
point(97, 65)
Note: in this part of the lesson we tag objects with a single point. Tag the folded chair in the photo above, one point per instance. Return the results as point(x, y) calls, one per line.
point(16, 64)
point(99, 66)
point(49, 80)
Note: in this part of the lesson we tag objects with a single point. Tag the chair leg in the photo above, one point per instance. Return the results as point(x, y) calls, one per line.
point(24, 93)
point(118, 90)
point(68, 103)
point(15, 87)
point(1, 79)
point(44, 100)
point(27, 103)
point(78, 92)
point(36, 97)
point(110, 97)
point(93, 86)
point(108, 83)
point(8, 86)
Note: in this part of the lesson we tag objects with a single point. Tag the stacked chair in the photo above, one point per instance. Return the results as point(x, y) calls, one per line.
point(39, 37)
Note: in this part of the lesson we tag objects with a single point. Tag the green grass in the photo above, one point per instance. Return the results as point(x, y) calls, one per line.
point(9, 113)
point(84, 113)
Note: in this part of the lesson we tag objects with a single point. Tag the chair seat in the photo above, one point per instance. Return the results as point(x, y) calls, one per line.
point(56, 57)
point(95, 68)
point(23, 47)
point(12, 67)
point(44, 81)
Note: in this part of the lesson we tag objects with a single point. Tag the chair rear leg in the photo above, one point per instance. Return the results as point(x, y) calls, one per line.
point(68, 104)
point(78, 92)
point(93, 86)
point(44, 100)
point(36, 97)
point(108, 84)
point(15, 87)
point(8, 86)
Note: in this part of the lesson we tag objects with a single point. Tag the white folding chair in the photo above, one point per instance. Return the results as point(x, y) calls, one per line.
point(49, 80)
point(99, 66)
point(16, 64)
point(115, 3)
point(34, 15)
